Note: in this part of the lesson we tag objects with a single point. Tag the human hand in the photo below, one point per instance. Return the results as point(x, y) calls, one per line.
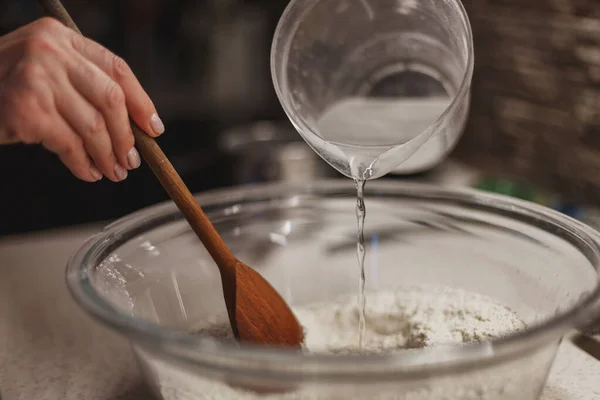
point(74, 97)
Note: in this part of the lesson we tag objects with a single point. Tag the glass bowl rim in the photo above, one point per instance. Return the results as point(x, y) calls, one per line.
point(281, 86)
point(287, 365)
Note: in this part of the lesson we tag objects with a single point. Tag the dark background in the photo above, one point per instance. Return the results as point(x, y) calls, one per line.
point(535, 113)
point(206, 66)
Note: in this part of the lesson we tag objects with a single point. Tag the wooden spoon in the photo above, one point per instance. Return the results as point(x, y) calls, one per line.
point(257, 313)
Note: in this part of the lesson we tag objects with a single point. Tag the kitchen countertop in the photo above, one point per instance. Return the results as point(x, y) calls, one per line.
point(49, 349)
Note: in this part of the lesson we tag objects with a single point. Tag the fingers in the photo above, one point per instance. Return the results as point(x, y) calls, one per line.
point(64, 142)
point(74, 97)
point(141, 109)
point(90, 125)
point(108, 97)
point(47, 128)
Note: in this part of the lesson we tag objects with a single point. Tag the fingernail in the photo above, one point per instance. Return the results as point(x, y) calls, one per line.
point(120, 172)
point(133, 158)
point(157, 125)
point(97, 175)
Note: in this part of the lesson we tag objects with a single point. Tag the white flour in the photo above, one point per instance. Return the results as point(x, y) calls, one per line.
point(400, 321)
point(406, 319)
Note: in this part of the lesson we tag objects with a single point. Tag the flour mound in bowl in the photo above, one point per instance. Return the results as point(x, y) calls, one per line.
point(407, 318)
point(404, 320)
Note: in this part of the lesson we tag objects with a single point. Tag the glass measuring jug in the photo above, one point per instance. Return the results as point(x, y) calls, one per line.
point(373, 85)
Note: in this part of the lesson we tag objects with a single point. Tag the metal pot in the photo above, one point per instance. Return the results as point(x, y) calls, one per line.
point(269, 151)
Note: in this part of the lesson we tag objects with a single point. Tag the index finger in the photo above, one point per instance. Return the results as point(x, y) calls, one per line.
point(140, 107)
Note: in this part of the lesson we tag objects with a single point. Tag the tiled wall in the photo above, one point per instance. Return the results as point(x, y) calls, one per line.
point(536, 93)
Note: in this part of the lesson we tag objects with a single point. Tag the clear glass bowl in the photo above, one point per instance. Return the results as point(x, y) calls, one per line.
point(148, 277)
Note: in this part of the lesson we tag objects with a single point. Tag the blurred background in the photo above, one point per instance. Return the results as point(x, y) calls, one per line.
point(534, 130)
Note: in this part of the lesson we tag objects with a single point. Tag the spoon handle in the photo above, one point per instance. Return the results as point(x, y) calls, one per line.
point(55, 9)
point(164, 171)
point(182, 197)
